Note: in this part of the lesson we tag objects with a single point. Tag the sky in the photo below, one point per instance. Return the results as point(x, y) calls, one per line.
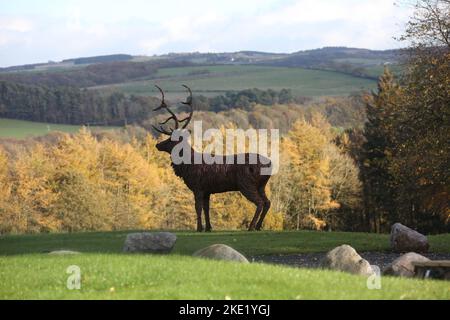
point(33, 31)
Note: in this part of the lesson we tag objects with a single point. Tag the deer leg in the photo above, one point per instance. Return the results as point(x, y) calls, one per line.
point(266, 208)
point(208, 227)
point(253, 196)
point(198, 209)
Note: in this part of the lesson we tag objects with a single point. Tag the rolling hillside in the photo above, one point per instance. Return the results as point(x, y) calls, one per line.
point(114, 78)
point(214, 80)
point(320, 72)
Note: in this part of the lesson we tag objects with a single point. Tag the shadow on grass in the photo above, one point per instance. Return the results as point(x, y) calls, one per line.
point(249, 243)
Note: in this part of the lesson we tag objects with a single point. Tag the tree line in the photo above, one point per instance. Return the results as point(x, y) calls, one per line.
point(71, 105)
point(341, 112)
point(246, 98)
point(100, 59)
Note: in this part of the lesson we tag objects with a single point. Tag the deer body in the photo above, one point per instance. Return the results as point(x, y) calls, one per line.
point(205, 179)
point(220, 177)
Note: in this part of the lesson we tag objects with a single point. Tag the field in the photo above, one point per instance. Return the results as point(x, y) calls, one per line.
point(27, 272)
point(214, 80)
point(19, 129)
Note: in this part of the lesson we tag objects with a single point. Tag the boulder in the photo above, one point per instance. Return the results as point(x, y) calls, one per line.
point(345, 258)
point(63, 252)
point(404, 239)
point(146, 242)
point(221, 252)
point(403, 266)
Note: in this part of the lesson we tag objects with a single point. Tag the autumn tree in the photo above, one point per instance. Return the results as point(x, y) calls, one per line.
point(405, 159)
point(307, 188)
point(8, 221)
point(345, 213)
point(422, 156)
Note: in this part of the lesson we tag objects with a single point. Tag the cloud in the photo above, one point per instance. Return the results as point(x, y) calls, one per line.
point(192, 33)
point(369, 24)
point(311, 11)
point(13, 32)
point(15, 24)
point(74, 28)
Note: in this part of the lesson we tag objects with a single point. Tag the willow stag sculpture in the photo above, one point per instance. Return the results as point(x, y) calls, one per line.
point(205, 179)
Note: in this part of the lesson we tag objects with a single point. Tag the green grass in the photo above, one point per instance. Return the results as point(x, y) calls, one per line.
point(26, 272)
point(361, 61)
point(114, 276)
point(261, 243)
point(222, 78)
point(376, 71)
point(10, 128)
point(249, 243)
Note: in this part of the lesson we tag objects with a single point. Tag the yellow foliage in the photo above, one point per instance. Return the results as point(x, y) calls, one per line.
point(307, 190)
point(316, 223)
point(83, 183)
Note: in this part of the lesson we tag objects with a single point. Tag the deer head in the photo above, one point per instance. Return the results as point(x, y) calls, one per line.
point(167, 145)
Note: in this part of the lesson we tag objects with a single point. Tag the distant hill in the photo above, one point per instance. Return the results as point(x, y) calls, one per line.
point(304, 59)
point(311, 58)
point(319, 72)
point(90, 74)
point(25, 67)
point(357, 62)
point(100, 59)
point(329, 58)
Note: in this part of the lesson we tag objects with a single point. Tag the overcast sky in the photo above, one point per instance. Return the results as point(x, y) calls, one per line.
point(40, 30)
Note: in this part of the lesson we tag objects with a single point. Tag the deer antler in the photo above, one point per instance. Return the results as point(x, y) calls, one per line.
point(173, 117)
point(188, 103)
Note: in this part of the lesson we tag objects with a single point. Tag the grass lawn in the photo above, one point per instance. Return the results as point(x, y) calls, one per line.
point(222, 78)
point(10, 128)
point(26, 272)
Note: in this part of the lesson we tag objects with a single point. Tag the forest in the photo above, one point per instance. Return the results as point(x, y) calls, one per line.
point(119, 181)
point(71, 105)
point(355, 163)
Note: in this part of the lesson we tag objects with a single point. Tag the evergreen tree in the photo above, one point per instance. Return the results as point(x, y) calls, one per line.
point(380, 134)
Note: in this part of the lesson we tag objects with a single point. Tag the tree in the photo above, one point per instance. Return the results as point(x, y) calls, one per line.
point(307, 192)
point(33, 176)
point(8, 221)
point(346, 191)
point(429, 27)
point(380, 133)
point(422, 157)
point(405, 159)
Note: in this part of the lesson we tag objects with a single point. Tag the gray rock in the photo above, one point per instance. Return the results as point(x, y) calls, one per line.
point(345, 258)
point(146, 242)
point(221, 252)
point(404, 239)
point(63, 252)
point(403, 266)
